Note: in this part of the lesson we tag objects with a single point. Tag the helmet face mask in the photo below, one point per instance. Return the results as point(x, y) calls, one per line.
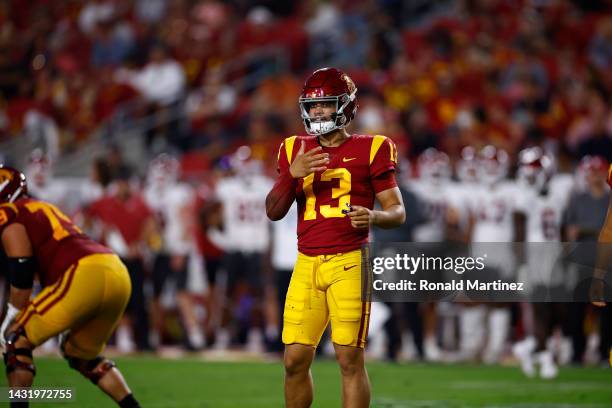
point(329, 86)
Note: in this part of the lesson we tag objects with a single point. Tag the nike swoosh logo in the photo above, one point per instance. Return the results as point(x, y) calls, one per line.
point(344, 159)
point(352, 266)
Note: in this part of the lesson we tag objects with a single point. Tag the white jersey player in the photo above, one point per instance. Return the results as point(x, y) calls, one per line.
point(174, 204)
point(463, 192)
point(542, 200)
point(492, 206)
point(245, 238)
point(243, 196)
point(432, 188)
point(41, 183)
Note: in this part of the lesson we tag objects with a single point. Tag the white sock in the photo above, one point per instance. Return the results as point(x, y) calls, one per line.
point(471, 326)
point(499, 325)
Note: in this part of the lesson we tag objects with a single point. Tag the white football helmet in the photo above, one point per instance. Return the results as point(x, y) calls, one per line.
point(493, 164)
point(535, 168)
point(434, 165)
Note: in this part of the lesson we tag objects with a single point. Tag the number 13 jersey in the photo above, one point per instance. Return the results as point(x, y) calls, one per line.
point(358, 169)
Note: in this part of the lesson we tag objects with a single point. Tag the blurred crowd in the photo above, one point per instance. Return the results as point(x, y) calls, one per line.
point(208, 76)
point(462, 87)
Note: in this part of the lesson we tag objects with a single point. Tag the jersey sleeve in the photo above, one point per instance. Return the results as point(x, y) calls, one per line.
point(383, 161)
point(285, 154)
point(383, 156)
point(8, 215)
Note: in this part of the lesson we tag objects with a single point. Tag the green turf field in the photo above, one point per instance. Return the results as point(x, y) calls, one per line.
point(188, 383)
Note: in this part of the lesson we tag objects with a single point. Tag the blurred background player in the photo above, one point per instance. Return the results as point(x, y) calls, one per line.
point(283, 258)
point(434, 191)
point(404, 329)
point(245, 240)
point(39, 239)
point(585, 214)
point(39, 170)
point(174, 205)
point(492, 205)
point(127, 225)
point(210, 222)
point(542, 198)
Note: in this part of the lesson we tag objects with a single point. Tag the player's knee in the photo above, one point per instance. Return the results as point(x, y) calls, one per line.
point(296, 363)
point(350, 362)
point(18, 352)
point(94, 369)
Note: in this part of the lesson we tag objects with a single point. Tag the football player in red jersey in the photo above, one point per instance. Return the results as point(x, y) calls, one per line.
point(85, 290)
point(335, 178)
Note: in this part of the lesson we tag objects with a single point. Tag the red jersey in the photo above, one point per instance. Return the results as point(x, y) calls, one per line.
point(128, 217)
point(358, 169)
point(56, 242)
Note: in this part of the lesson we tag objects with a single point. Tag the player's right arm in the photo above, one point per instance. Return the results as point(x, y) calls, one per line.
point(22, 265)
point(21, 269)
point(281, 196)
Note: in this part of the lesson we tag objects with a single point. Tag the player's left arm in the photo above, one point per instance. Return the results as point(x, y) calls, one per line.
point(392, 213)
point(22, 267)
point(383, 162)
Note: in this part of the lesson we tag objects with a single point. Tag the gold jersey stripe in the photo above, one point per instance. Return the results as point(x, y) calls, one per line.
point(289, 142)
point(376, 143)
point(609, 172)
point(11, 206)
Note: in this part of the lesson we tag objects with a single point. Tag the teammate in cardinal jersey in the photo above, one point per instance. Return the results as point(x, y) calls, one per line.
point(85, 290)
point(335, 178)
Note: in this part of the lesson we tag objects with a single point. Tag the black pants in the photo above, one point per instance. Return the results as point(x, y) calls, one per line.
point(162, 270)
point(245, 292)
point(605, 332)
point(547, 316)
point(403, 314)
point(281, 281)
point(575, 317)
point(137, 306)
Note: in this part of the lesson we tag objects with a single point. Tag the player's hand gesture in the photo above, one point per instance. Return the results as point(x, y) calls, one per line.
point(309, 162)
point(361, 217)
